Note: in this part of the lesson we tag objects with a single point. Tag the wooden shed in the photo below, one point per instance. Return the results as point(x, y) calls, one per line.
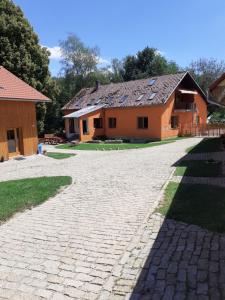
point(18, 129)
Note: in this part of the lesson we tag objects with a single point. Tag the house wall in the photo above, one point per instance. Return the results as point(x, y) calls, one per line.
point(18, 114)
point(92, 132)
point(127, 126)
point(159, 121)
point(166, 130)
point(186, 118)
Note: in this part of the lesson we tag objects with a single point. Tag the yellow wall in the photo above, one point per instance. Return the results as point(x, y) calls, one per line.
point(18, 114)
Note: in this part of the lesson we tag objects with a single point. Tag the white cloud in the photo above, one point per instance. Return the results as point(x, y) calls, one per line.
point(103, 61)
point(158, 52)
point(55, 52)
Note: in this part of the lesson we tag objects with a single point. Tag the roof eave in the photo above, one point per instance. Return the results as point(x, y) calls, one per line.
point(22, 99)
point(216, 82)
point(215, 103)
point(175, 88)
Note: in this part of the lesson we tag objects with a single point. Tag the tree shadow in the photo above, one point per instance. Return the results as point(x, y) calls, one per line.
point(207, 145)
point(186, 259)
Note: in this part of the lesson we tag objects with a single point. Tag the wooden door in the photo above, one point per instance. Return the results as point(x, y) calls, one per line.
point(14, 142)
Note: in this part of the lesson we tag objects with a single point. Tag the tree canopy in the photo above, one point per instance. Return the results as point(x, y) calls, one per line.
point(205, 71)
point(21, 53)
point(146, 63)
point(78, 58)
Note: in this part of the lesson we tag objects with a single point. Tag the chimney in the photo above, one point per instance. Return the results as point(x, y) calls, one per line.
point(97, 83)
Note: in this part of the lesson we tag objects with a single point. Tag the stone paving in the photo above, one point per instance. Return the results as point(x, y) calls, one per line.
point(100, 238)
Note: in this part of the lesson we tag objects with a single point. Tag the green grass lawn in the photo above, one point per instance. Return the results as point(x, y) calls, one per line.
point(206, 145)
point(198, 204)
point(198, 168)
point(17, 195)
point(57, 155)
point(123, 146)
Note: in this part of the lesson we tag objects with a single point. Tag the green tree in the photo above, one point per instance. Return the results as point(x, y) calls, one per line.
point(79, 68)
point(78, 58)
point(21, 53)
point(205, 71)
point(148, 62)
point(218, 116)
point(117, 70)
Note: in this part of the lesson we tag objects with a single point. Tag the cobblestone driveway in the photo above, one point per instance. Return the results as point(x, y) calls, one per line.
point(92, 240)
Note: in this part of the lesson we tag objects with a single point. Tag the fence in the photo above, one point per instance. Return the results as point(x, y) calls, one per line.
point(210, 130)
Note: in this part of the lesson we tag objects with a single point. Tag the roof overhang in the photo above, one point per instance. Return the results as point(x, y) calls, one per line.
point(217, 82)
point(188, 92)
point(23, 100)
point(84, 111)
point(217, 91)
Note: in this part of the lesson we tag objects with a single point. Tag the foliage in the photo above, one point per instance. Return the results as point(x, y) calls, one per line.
point(117, 70)
point(77, 58)
point(205, 71)
point(21, 53)
point(218, 116)
point(17, 195)
point(148, 62)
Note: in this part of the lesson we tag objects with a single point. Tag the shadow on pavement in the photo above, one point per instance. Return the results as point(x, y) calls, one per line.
point(186, 260)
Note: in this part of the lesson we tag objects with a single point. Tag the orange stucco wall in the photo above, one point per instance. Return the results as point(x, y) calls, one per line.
point(126, 119)
point(92, 132)
point(159, 121)
point(186, 118)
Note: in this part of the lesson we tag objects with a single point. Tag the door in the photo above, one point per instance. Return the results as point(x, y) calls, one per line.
point(71, 126)
point(85, 126)
point(14, 141)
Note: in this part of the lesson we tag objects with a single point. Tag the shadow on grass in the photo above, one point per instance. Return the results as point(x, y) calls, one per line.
point(198, 168)
point(206, 145)
point(187, 258)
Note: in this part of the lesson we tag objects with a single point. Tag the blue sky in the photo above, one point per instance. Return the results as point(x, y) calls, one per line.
point(182, 30)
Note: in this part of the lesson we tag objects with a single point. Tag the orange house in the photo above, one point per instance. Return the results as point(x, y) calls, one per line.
point(18, 132)
point(153, 109)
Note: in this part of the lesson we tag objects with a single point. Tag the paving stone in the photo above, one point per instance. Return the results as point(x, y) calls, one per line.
point(100, 238)
point(74, 293)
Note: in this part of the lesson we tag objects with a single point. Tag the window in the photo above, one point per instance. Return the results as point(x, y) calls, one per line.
point(98, 123)
point(151, 82)
point(174, 122)
point(197, 120)
point(123, 98)
point(142, 122)
point(152, 95)
point(112, 122)
point(140, 97)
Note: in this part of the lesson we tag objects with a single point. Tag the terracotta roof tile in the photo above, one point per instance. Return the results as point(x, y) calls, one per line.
point(12, 87)
point(131, 93)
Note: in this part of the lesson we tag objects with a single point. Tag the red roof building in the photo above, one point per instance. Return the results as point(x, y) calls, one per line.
point(18, 130)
